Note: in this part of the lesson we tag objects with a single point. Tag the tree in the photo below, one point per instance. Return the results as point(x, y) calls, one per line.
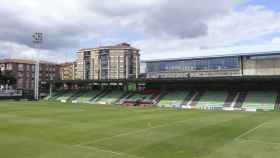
point(7, 78)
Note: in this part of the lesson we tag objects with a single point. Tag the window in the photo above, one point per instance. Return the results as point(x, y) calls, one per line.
point(226, 63)
point(201, 64)
point(9, 67)
point(20, 67)
point(104, 58)
point(27, 67)
point(20, 74)
point(87, 62)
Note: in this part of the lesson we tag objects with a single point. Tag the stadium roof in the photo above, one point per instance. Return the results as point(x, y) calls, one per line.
point(275, 78)
point(217, 56)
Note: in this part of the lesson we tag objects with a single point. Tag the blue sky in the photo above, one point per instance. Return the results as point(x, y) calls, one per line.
point(271, 4)
point(159, 28)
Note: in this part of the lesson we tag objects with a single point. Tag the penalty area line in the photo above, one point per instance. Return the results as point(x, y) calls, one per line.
point(108, 151)
point(257, 141)
point(132, 132)
point(140, 131)
point(250, 131)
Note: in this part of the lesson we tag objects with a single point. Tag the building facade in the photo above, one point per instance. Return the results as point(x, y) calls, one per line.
point(68, 71)
point(262, 64)
point(24, 72)
point(108, 62)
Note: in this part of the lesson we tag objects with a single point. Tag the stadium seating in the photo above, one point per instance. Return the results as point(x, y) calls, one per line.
point(140, 96)
point(277, 104)
point(173, 98)
point(266, 100)
point(240, 98)
point(212, 98)
point(260, 100)
point(192, 99)
point(66, 96)
point(87, 96)
point(110, 97)
point(49, 97)
point(125, 97)
point(55, 95)
point(231, 98)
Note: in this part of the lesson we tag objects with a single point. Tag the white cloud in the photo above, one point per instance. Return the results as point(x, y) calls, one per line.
point(236, 32)
point(13, 50)
point(169, 29)
point(276, 40)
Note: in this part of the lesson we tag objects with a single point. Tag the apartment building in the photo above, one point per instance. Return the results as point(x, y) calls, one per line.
point(68, 71)
point(24, 72)
point(119, 61)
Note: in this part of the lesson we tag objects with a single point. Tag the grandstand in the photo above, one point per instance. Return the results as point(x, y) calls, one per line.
point(188, 98)
point(104, 96)
point(139, 96)
point(65, 96)
point(86, 96)
point(173, 98)
point(184, 97)
point(277, 103)
point(239, 99)
point(193, 98)
point(264, 100)
point(50, 97)
point(110, 97)
point(231, 99)
point(212, 99)
point(54, 95)
point(147, 97)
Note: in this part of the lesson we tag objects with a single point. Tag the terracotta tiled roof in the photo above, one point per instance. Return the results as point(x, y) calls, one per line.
point(19, 61)
point(23, 61)
point(118, 46)
point(68, 63)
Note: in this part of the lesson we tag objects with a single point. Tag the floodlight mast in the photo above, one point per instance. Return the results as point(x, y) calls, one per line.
point(37, 40)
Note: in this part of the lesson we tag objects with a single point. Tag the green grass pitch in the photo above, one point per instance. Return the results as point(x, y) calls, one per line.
point(56, 130)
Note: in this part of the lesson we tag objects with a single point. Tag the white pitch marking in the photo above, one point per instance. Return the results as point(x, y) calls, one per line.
point(108, 151)
point(258, 141)
point(137, 131)
point(250, 131)
point(132, 132)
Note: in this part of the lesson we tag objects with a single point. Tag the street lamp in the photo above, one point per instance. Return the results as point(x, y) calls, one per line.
point(37, 40)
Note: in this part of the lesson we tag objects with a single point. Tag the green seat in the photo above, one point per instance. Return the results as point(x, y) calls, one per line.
point(260, 100)
point(175, 97)
point(54, 94)
point(65, 96)
point(87, 96)
point(111, 97)
point(139, 96)
point(212, 98)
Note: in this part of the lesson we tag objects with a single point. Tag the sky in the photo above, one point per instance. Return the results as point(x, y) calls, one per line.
point(159, 28)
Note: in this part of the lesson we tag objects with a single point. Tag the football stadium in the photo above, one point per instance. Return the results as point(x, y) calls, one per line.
point(139, 79)
point(242, 82)
point(108, 103)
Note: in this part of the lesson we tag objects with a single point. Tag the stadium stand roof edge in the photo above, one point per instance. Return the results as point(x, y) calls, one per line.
point(190, 79)
point(216, 56)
